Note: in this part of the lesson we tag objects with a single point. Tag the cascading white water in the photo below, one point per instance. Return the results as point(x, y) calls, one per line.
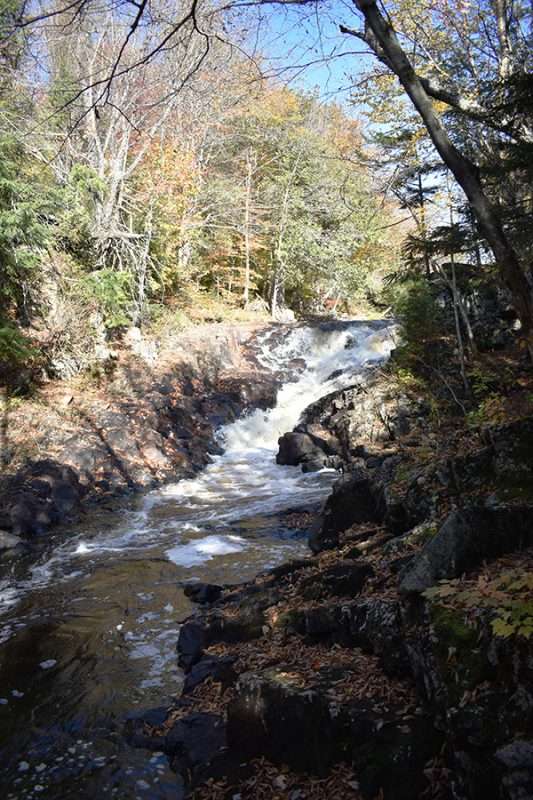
point(194, 520)
point(246, 477)
point(337, 353)
point(92, 617)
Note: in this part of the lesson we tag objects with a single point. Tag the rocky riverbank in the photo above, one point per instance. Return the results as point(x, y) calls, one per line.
point(150, 417)
point(396, 662)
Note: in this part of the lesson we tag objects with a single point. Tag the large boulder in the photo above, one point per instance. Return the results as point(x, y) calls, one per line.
point(467, 538)
point(351, 501)
point(297, 448)
point(307, 727)
point(41, 494)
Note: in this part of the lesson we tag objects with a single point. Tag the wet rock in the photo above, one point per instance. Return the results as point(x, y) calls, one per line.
point(194, 741)
point(314, 465)
point(192, 642)
point(298, 364)
point(466, 539)
point(297, 448)
point(200, 592)
point(139, 728)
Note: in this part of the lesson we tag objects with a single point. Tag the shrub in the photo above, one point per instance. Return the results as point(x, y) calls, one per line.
point(112, 293)
point(17, 356)
point(415, 306)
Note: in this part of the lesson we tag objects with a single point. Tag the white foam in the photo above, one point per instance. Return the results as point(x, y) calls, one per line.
point(189, 555)
point(243, 482)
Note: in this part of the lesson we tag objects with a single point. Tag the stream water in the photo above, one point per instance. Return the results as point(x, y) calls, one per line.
point(90, 617)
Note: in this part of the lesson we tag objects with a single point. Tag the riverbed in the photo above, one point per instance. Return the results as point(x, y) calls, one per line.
point(91, 614)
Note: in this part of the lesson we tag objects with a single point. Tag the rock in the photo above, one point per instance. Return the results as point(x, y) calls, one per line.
point(65, 498)
point(242, 618)
point(297, 448)
point(340, 580)
point(390, 763)
point(219, 668)
point(192, 641)
point(376, 625)
point(276, 716)
point(314, 465)
point(297, 364)
point(200, 592)
point(42, 493)
point(8, 540)
point(284, 315)
point(517, 758)
point(517, 755)
point(466, 539)
point(351, 501)
point(194, 741)
point(322, 622)
point(22, 517)
point(290, 567)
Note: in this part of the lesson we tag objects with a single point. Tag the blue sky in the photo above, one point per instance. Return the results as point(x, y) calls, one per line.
point(305, 47)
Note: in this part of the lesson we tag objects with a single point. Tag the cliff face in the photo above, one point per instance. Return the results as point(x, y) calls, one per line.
point(397, 661)
point(150, 419)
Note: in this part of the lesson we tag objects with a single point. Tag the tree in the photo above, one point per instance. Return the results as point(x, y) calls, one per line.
point(383, 40)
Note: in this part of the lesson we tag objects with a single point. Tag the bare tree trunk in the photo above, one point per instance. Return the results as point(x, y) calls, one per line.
point(423, 224)
point(279, 265)
point(142, 271)
point(381, 37)
point(506, 51)
point(247, 209)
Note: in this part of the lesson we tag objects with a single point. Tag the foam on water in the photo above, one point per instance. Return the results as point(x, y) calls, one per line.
point(189, 555)
point(243, 482)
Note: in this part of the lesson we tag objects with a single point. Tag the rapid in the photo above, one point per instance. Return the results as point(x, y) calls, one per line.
point(89, 617)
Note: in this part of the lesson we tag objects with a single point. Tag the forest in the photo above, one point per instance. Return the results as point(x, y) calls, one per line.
point(190, 179)
point(154, 163)
point(266, 399)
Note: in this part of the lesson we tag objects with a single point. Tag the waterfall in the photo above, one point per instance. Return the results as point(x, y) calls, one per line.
point(91, 615)
point(193, 521)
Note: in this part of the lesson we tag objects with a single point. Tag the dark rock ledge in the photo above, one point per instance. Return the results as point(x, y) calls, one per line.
point(144, 427)
point(341, 664)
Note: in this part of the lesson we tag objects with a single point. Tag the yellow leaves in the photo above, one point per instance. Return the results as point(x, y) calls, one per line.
point(508, 596)
point(276, 105)
point(502, 628)
point(439, 107)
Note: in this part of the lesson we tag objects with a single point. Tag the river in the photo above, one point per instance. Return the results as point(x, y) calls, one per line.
point(90, 615)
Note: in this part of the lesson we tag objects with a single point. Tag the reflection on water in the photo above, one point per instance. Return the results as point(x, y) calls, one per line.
point(91, 615)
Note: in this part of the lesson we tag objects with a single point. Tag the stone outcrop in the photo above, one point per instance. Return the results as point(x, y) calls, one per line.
point(394, 525)
point(145, 425)
point(467, 538)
